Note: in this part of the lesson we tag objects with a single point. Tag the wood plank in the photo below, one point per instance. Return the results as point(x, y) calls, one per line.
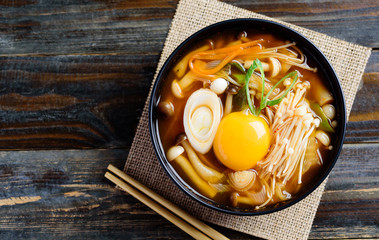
point(136, 27)
point(76, 75)
point(95, 101)
point(353, 21)
point(72, 101)
point(364, 117)
point(63, 194)
point(351, 197)
point(78, 27)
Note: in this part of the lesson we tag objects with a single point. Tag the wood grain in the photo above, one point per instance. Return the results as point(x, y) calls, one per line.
point(132, 27)
point(353, 21)
point(72, 101)
point(85, 27)
point(95, 101)
point(65, 190)
point(351, 197)
point(364, 117)
point(75, 75)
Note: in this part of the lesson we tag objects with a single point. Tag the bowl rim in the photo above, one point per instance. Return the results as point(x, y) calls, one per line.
point(170, 171)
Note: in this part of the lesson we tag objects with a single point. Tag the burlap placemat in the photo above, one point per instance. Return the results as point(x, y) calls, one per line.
point(348, 60)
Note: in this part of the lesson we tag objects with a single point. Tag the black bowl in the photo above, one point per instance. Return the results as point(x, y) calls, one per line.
point(313, 54)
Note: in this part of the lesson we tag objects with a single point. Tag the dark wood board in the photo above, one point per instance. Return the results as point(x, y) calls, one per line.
point(363, 124)
point(75, 75)
point(131, 27)
point(62, 85)
point(72, 101)
point(63, 194)
point(95, 101)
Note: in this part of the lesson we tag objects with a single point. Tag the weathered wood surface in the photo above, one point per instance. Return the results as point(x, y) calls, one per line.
point(63, 194)
point(75, 75)
point(95, 101)
point(130, 27)
point(88, 92)
point(72, 101)
point(363, 124)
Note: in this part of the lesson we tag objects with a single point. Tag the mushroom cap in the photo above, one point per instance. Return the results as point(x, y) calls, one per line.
point(241, 34)
point(276, 67)
point(166, 109)
point(180, 138)
point(234, 199)
point(219, 85)
point(174, 152)
point(232, 89)
point(207, 83)
point(176, 89)
point(210, 43)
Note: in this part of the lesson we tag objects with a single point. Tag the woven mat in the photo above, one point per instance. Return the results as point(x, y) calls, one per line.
point(348, 60)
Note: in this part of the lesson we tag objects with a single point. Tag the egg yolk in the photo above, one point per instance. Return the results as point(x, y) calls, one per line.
point(241, 141)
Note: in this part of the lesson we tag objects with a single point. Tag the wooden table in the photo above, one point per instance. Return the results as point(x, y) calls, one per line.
point(73, 80)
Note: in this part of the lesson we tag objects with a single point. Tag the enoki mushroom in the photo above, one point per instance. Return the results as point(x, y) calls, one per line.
point(292, 124)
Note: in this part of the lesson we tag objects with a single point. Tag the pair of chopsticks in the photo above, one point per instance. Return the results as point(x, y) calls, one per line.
point(162, 206)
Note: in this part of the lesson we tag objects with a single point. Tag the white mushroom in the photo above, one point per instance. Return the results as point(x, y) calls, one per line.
point(181, 67)
point(202, 115)
point(334, 123)
point(323, 137)
point(248, 63)
point(329, 111)
point(177, 87)
point(219, 86)
point(321, 94)
point(208, 174)
point(275, 66)
point(272, 65)
point(175, 154)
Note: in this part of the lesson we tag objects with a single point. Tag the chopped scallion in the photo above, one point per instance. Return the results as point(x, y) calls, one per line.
point(264, 99)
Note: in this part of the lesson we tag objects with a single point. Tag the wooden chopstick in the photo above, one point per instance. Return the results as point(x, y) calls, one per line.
point(164, 202)
point(157, 208)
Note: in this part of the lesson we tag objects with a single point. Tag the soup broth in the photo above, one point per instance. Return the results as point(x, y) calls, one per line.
point(232, 142)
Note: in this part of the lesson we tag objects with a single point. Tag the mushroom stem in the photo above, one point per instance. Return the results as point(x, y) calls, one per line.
point(323, 137)
point(252, 198)
point(207, 173)
point(236, 200)
point(202, 186)
point(181, 67)
point(285, 67)
point(248, 63)
point(177, 87)
point(275, 66)
point(166, 109)
point(321, 94)
point(228, 104)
